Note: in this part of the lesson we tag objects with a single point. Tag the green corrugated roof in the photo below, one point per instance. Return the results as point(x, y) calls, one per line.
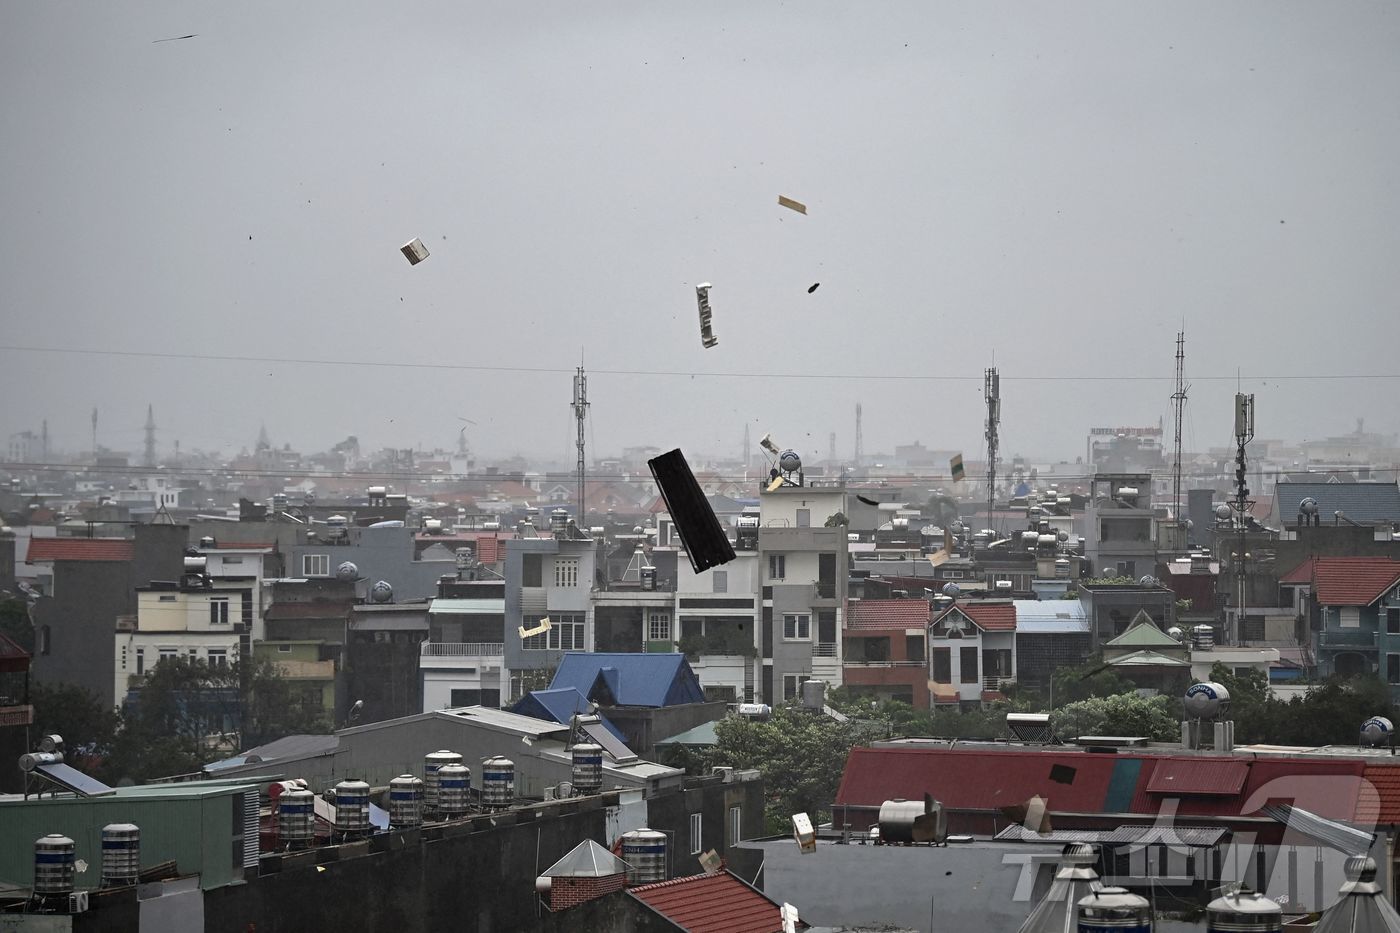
point(703, 734)
point(1143, 633)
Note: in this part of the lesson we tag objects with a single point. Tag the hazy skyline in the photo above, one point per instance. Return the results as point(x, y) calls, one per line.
point(1057, 187)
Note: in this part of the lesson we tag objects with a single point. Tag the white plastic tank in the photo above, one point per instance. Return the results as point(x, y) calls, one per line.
point(814, 694)
point(296, 816)
point(54, 855)
point(352, 807)
point(121, 854)
point(431, 763)
point(497, 782)
point(454, 780)
point(405, 801)
point(1114, 909)
point(1206, 700)
point(1377, 731)
point(587, 771)
point(644, 850)
point(1245, 912)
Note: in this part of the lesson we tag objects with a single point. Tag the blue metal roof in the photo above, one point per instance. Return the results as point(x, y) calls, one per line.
point(630, 679)
point(1366, 503)
point(1050, 616)
point(559, 706)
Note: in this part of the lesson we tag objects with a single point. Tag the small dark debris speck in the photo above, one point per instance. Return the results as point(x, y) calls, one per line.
point(815, 286)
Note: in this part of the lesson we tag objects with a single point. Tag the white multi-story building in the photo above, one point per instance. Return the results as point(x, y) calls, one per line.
point(174, 621)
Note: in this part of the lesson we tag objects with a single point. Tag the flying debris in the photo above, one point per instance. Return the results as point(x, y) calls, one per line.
point(702, 298)
point(194, 34)
point(955, 466)
point(815, 286)
point(792, 205)
point(705, 542)
point(540, 629)
point(415, 251)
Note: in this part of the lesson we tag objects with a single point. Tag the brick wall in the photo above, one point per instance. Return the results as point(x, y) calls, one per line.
point(566, 892)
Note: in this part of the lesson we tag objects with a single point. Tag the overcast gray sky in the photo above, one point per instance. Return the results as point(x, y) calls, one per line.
point(1055, 184)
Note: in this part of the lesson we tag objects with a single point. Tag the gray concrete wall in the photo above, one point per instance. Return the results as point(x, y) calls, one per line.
point(81, 616)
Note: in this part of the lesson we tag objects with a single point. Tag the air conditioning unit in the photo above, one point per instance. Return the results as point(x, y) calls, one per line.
point(78, 902)
point(491, 669)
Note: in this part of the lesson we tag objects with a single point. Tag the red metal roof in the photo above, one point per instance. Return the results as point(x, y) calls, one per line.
point(973, 779)
point(887, 613)
point(718, 903)
point(1329, 788)
point(13, 658)
point(1380, 804)
point(1177, 776)
point(1300, 575)
point(47, 549)
point(1353, 581)
point(990, 615)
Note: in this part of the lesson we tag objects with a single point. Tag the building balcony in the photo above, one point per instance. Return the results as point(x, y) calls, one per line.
point(994, 681)
point(1346, 638)
point(848, 662)
point(823, 591)
point(824, 649)
point(461, 649)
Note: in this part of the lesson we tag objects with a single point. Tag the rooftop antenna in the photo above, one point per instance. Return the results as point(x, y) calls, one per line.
point(993, 393)
point(747, 457)
point(1244, 433)
point(1178, 407)
point(94, 433)
point(580, 406)
point(858, 452)
point(149, 459)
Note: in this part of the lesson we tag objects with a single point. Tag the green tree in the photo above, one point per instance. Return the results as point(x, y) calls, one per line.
point(1157, 717)
point(87, 726)
point(839, 520)
point(1090, 679)
point(15, 624)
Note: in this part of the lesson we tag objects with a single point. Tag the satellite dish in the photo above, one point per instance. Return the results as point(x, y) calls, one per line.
point(1147, 580)
point(951, 590)
point(789, 461)
point(1176, 633)
point(1222, 511)
point(1308, 506)
point(1062, 536)
point(381, 592)
point(347, 571)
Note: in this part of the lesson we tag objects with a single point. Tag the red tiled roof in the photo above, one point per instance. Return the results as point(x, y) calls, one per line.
point(1211, 776)
point(47, 549)
point(13, 658)
point(1300, 575)
point(1381, 805)
point(718, 903)
point(887, 613)
point(1353, 581)
point(992, 615)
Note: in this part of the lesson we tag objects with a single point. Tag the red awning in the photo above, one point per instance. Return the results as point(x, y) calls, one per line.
point(1203, 776)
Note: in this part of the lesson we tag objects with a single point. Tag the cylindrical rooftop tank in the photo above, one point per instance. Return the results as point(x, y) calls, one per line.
point(1243, 913)
point(54, 855)
point(453, 782)
point(121, 854)
point(352, 807)
point(1114, 909)
point(431, 763)
point(814, 694)
point(296, 816)
point(405, 801)
point(1206, 700)
point(908, 821)
point(497, 782)
point(644, 850)
point(587, 771)
point(1376, 731)
point(1202, 637)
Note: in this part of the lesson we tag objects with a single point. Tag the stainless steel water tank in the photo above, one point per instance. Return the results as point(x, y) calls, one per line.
point(587, 771)
point(352, 807)
point(431, 763)
point(405, 801)
point(1114, 909)
point(644, 851)
point(911, 821)
point(296, 816)
point(54, 855)
point(1243, 913)
point(454, 780)
point(121, 854)
point(497, 782)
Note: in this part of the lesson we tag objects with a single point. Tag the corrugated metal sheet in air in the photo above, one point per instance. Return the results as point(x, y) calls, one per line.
point(1178, 776)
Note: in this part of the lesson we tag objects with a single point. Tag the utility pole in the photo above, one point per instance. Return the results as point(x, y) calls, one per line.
point(94, 434)
point(747, 457)
point(1244, 433)
point(580, 405)
point(1178, 407)
point(992, 390)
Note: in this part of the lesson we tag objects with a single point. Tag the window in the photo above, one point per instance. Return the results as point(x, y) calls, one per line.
point(942, 666)
point(531, 570)
point(315, 565)
point(218, 657)
point(968, 661)
point(1392, 621)
point(140, 661)
point(797, 626)
point(230, 559)
point(696, 824)
point(284, 649)
point(804, 518)
point(566, 571)
point(1350, 617)
point(168, 654)
point(792, 683)
point(194, 654)
point(166, 598)
point(45, 639)
point(659, 626)
point(465, 698)
point(736, 825)
point(1392, 668)
point(218, 612)
point(952, 574)
point(777, 566)
point(720, 579)
point(565, 634)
